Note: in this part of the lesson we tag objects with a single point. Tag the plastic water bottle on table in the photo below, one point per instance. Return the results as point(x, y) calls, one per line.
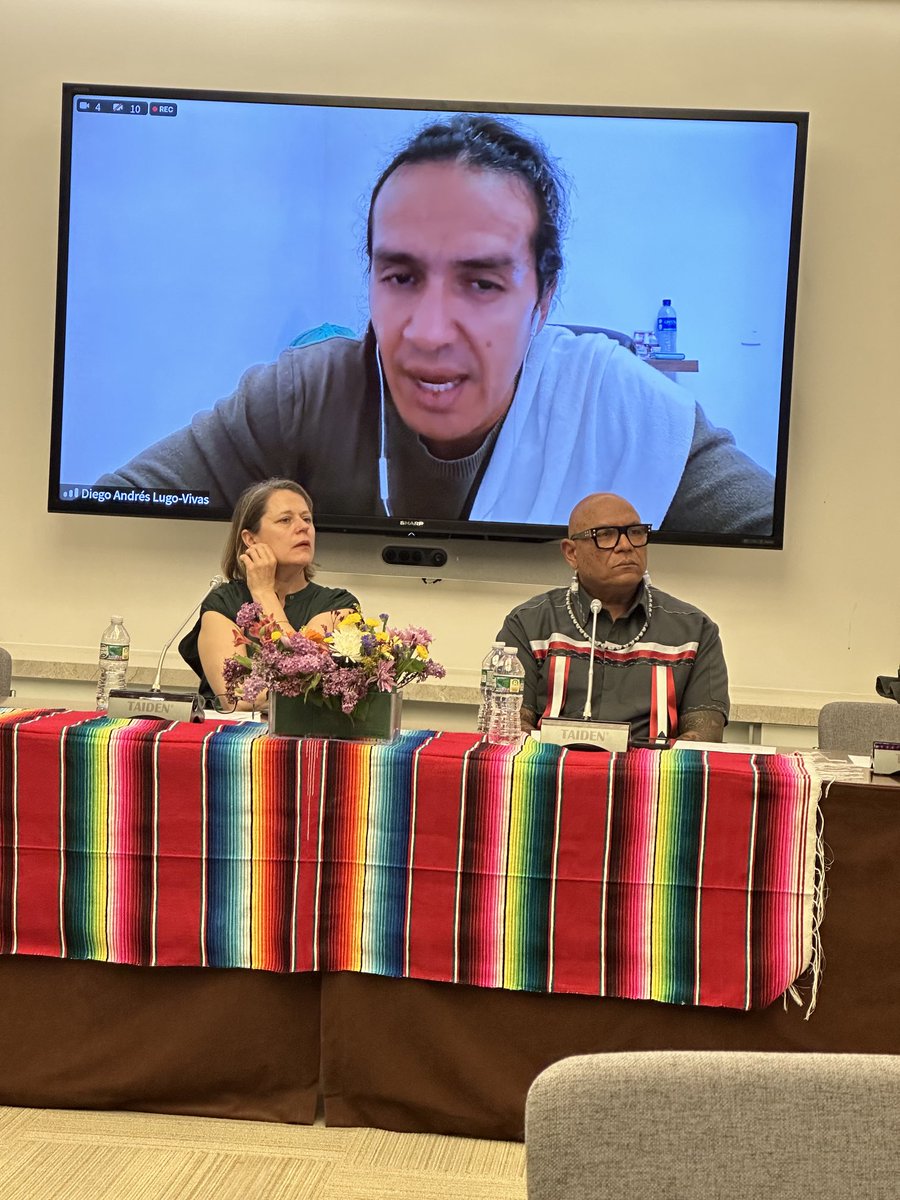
point(488, 671)
point(667, 328)
point(114, 645)
point(505, 727)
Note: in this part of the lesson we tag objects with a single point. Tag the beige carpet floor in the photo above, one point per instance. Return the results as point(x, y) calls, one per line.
point(61, 1155)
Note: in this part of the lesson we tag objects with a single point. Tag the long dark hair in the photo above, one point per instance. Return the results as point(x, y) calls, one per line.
point(493, 145)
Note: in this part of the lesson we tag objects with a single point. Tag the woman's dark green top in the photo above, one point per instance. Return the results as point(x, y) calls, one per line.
point(300, 608)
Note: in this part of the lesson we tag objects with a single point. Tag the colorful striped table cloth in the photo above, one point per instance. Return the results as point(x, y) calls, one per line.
point(676, 876)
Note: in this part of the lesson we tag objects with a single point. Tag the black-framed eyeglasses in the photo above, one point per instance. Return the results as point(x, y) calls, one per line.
point(606, 537)
point(227, 705)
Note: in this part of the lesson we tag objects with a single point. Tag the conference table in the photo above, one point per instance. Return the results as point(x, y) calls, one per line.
point(421, 1056)
point(256, 983)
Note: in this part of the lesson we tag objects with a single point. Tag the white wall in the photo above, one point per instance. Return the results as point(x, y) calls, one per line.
point(822, 615)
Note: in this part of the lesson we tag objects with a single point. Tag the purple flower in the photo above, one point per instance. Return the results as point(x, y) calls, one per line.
point(252, 688)
point(290, 687)
point(297, 641)
point(296, 665)
point(349, 683)
point(248, 614)
point(292, 665)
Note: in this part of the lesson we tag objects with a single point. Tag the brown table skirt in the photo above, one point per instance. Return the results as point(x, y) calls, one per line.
point(417, 1056)
point(191, 1040)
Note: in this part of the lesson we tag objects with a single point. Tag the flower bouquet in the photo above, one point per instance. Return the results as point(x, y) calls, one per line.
point(341, 684)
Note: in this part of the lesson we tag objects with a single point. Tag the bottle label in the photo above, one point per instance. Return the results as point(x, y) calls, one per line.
point(110, 653)
point(665, 323)
point(513, 684)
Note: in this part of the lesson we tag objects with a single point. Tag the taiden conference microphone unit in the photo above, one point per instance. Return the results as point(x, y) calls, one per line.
point(586, 734)
point(171, 704)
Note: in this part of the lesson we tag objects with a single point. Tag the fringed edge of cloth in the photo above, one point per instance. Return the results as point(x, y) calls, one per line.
point(824, 859)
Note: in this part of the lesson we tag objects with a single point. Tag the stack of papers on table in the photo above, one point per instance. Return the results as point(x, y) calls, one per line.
point(728, 747)
point(210, 714)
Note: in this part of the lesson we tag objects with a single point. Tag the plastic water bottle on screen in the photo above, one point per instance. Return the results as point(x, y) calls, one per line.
point(667, 328)
point(505, 727)
point(488, 671)
point(114, 645)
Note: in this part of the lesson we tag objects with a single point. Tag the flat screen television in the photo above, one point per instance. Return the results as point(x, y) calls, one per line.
point(467, 360)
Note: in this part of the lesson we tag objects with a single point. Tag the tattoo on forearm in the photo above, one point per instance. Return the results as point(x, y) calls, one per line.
point(705, 725)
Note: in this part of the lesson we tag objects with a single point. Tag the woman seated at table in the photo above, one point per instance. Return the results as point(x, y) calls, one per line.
point(268, 559)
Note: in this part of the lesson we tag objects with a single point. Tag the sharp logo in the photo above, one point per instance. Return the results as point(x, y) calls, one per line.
point(418, 523)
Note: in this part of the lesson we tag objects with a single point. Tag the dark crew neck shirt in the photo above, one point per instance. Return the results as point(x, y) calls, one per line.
point(300, 607)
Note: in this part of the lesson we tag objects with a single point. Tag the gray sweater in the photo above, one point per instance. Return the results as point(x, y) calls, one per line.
point(313, 416)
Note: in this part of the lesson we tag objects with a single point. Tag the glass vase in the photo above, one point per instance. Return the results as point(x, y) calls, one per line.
point(377, 717)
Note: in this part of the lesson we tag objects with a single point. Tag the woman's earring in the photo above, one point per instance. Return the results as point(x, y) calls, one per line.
point(573, 586)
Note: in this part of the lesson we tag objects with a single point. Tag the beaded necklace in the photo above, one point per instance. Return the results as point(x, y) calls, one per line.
point(610, 645)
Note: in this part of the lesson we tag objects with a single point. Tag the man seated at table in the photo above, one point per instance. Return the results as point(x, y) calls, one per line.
point(658, 661)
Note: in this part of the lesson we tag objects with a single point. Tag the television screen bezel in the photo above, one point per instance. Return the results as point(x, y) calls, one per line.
point(384, 526)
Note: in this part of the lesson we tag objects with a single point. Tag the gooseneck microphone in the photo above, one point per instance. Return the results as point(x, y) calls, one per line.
point(596, 606)
point(216, 581)
point(584, 733)
point(173, 704)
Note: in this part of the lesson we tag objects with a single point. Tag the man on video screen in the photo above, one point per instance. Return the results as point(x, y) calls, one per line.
point(461, 401)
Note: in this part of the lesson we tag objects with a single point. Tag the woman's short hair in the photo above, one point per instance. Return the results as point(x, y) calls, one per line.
point(490, 144)
point(248, 514)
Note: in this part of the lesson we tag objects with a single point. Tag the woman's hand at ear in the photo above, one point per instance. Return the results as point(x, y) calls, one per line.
point(259, 563)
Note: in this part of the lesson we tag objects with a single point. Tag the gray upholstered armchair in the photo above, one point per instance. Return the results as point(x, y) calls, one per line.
point(703, 1125)
point(851, 726)
point(5, 672)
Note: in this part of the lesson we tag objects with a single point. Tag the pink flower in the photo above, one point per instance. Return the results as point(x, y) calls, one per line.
point(307, 664)
point(385, 675)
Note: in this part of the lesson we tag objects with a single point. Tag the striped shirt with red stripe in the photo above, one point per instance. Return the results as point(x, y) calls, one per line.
point(677, 667)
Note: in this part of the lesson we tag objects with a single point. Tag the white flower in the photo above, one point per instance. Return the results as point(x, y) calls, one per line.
point(346, 642)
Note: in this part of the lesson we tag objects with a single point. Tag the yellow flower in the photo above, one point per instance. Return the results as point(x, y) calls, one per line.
point(381, 636)
point(422, 651)
point(353, 618)
point(276, 634)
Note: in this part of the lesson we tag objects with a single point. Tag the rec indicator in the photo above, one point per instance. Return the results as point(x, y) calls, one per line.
point(127, 108)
